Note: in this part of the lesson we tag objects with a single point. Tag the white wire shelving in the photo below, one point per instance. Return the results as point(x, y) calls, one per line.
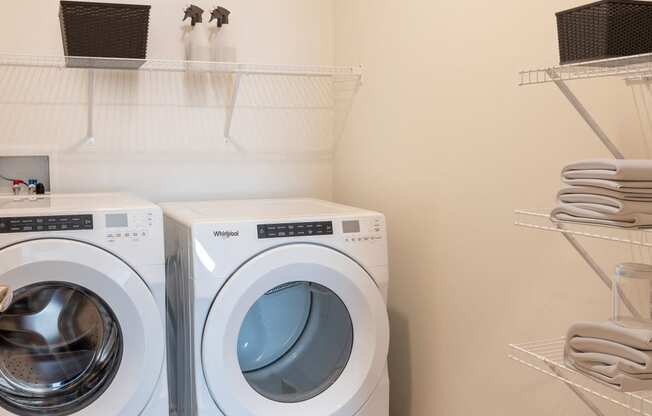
point(540, 220)
point(162, 65)
point(113, 106)
point(629, 67)
point(547, 357)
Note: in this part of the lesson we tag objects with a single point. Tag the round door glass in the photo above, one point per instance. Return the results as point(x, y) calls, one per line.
point(60, 347)
point(295, 342)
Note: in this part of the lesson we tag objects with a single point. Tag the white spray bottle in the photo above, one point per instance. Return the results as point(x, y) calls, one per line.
point(197, 39)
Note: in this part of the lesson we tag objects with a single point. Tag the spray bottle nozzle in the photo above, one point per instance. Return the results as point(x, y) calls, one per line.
point(193, 13)
point(221, 15)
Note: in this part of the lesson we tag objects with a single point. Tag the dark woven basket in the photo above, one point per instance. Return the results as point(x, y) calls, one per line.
point(605, 29)
point(104, 30)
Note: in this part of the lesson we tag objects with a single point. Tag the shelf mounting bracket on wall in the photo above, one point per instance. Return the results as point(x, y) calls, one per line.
point(233, 100)
point(90, 136)
point(584, 113)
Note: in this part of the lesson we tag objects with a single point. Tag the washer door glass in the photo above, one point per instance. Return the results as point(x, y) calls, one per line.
point(60, 348)
point(295, 342)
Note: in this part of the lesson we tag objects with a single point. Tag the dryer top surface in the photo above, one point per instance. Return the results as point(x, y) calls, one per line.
point(258, 210)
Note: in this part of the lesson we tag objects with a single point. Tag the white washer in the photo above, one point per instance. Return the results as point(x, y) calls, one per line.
point(278, 308)
point(85, 334)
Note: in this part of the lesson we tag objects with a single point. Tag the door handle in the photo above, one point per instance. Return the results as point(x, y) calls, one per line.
point(6, 297)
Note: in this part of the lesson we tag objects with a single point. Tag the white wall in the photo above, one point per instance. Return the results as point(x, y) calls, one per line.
point(160, 134)
point(443, 141)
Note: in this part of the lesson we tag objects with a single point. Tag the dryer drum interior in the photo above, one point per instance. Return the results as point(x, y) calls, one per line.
point(60, 348)
point(295, 342)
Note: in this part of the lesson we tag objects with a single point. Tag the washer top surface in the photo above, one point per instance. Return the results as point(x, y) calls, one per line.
point(26, 205)
point(256, 210)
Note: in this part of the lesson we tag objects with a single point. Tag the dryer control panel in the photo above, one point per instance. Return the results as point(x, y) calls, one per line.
point(45, 224)
point(299, 229)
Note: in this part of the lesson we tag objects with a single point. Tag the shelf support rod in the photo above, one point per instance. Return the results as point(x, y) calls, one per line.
point(90, 137)
point(231, 107)
point(584, 113)
point(597, 269)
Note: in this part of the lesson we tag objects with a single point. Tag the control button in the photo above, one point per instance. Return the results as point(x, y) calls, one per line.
point(118, 235)
point(76, 226)
point(64, 226)
point(14, 221)
point(15, 229)
point(27, 221)
point(52, 228)
point(40, 227)
point(51, 220)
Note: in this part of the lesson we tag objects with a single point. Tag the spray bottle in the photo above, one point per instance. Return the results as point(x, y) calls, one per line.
point(196, 40)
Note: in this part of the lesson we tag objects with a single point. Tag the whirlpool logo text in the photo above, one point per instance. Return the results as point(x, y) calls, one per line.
point(226, 234)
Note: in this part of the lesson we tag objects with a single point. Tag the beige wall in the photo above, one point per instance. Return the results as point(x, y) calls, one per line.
point(160, 134)
point(443, 141)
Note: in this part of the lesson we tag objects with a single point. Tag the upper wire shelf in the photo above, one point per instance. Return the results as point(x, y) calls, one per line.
point(630, 67)
point(161, 65)
point(547, 357)
point(540, 220)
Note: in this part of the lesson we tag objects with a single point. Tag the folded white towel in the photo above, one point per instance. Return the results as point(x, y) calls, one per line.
point(616, 357)
point(638, 187)
point(577, 194)
point(600, 214)
point(610, 169)
point(612, 354)
point(606, 204)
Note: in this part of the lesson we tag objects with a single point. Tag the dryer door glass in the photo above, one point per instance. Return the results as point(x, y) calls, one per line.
point(295, 342)
point(60, 347)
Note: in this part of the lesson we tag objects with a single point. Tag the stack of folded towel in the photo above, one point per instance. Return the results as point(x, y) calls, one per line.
point(607, 192)
point(612, 354)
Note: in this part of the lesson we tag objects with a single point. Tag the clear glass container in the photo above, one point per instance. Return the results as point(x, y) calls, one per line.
point(632, 295)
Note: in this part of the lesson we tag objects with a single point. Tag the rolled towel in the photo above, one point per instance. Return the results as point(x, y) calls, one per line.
point(610, 169)
point(612, 354)
point(579, 194)
point(637, 188)
point(601, 215)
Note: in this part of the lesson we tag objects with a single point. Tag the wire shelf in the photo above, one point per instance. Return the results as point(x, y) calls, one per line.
point(160, 65)
point(540, 220)
point(106, 107)
point(629, 67)
point(547, 357)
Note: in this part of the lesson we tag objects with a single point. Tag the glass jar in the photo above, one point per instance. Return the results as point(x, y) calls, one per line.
point(632, 295)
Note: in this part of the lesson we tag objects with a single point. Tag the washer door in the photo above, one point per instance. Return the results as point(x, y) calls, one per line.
point(82, 336)
point(298, 330)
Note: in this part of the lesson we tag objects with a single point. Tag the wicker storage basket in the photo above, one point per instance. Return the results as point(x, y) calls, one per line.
point(104, 30)
point(605, 29)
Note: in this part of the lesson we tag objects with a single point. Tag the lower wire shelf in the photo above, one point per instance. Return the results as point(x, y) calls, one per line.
point(547, 357)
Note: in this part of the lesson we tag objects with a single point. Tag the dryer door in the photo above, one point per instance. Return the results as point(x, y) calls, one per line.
point(298, 330)
point(83, 335)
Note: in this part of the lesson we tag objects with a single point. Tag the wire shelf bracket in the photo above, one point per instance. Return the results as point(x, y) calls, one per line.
point(233, 100)
point(583, 112)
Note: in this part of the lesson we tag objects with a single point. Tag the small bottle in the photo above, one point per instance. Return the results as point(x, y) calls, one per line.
point(31, 186)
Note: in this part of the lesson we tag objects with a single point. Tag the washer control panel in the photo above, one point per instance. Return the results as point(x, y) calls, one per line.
point(300, 229)
point(363, 231)
point(127, 227)
point(45, 223)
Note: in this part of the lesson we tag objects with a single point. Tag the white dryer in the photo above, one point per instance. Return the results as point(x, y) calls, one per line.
point(278, 307)
point(85, 332)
